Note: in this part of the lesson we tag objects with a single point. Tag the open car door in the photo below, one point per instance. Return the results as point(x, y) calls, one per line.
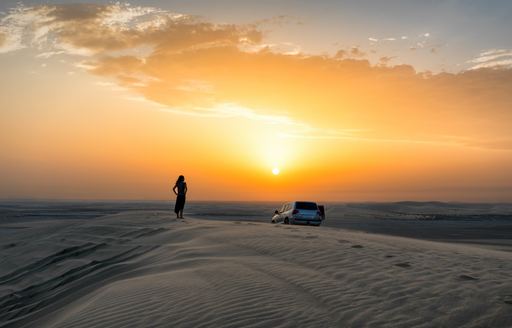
point(321, 208)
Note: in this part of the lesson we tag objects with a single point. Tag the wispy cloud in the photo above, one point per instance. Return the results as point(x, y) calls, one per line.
point(493, 58)
point(48, 54)
point(285, 48)
point(418, 42)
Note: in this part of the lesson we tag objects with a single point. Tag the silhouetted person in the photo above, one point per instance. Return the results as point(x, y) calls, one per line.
point(180, 189)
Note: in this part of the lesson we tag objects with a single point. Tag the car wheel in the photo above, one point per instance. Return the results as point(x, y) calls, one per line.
point(286, 221)
point(272, 221)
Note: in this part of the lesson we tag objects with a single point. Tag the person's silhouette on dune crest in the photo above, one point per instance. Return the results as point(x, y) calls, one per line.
point(180, 189)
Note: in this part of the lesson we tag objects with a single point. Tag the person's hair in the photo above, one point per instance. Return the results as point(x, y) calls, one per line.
point(181, 178)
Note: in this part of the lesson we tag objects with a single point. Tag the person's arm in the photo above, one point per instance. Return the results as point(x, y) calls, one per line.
point(186, 188)
point(174, 189)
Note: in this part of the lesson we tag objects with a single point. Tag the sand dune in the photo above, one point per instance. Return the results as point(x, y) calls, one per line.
point(147, 269)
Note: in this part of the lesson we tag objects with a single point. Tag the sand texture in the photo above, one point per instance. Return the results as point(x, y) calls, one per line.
point(147, 269)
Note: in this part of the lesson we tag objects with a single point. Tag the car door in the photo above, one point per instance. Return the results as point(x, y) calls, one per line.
point(284, 214)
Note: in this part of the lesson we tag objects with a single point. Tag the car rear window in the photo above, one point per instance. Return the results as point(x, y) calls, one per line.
point(306, 206)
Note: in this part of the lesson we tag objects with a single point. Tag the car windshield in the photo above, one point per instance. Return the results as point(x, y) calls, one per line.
point(306, 206)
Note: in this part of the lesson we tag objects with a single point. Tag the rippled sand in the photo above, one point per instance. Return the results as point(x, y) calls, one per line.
point(145, 268)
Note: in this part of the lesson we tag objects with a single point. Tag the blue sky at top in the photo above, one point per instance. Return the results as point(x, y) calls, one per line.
point(458, 29)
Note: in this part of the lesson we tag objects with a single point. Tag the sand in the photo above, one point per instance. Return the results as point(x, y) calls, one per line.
point(147, 269)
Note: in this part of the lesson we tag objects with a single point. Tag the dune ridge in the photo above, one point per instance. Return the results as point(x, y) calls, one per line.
point(145, 268)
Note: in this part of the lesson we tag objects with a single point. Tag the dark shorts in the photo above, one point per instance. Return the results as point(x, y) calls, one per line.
point(180, 203)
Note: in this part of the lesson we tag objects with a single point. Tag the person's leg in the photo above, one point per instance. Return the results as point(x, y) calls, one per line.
point(182, 207)
point(177, 207)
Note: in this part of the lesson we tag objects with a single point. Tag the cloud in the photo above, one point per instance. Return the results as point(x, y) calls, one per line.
point(353, 52)
point(493, 58)
point(421, 41)
point(389, 39)
point(89, 29)
point(193, 67)
point(286, 48)
point(388, 103)
point(341, 54)
point(49, 54)
point(13, 26)
point(357, 52)
point(385, 60)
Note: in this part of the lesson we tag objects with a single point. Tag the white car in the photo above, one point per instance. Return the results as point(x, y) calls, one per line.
point(299, 213)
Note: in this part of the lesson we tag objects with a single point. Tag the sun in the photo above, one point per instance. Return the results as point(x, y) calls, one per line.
point(275, 171)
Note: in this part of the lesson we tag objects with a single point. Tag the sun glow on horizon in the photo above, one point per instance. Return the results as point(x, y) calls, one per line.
point(241, 113)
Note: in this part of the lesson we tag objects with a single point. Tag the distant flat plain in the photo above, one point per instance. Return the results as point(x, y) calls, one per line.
point(486, 224)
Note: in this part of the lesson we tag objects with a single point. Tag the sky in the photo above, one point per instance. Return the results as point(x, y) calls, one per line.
point(256, 100)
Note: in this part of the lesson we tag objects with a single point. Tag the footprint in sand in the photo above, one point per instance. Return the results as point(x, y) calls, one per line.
point(389, 256)
point(507, 299)
point(342, 241)
point(357, 246)
point(466, 277)
point(403, 265)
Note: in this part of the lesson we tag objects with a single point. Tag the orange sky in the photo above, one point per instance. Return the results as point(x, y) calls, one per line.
point(110, 102)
